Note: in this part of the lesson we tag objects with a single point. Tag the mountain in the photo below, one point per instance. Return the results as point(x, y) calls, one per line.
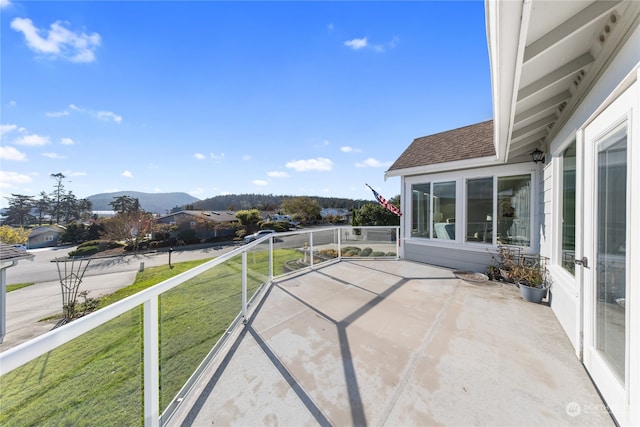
point(160, 203)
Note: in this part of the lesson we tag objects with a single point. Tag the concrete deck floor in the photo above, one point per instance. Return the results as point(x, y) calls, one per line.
point(394, 343)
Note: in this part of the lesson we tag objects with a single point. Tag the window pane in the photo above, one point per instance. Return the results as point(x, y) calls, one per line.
point(444, 210)
point(611, 273)
point(480, 210)
point(569, 208)
point(420, 214)
point(514, 210)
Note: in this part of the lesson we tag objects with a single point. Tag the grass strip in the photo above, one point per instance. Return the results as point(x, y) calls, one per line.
point(97, 378)
point(17, 286)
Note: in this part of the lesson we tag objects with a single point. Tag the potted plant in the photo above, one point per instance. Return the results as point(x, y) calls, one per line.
point(504, 262)
point(530, 278)
point(493, 272)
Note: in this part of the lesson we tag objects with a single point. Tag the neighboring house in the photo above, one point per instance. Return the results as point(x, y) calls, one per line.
point(277, 217)
point(45, 237)
point(341, 214)
point(565, 82)
point(190, 220)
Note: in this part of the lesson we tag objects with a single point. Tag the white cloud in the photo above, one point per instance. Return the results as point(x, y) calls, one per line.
point(67, 141)
point(317, 164)
point(10, 153)
point(259, 182)
point(4, 3)
point(356, 44)
point(278, 174)
point(102, 115)
point(199, 156)
point(372, 163)
point(347, 149)
point(53, 155)
point(8, 179)
point(59, 42)
point(215, 156)
point(57, 113)
point(108, 115)
point(33, 140)
point(362, 43)
point(5, 129)
point(246, 157)
point(127, 174)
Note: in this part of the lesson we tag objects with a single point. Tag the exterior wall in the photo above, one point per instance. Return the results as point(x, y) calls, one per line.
point(451, 257)
point(40, 241)
point(565, 290)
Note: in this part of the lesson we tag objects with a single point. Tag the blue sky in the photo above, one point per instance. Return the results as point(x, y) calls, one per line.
point(210, 98)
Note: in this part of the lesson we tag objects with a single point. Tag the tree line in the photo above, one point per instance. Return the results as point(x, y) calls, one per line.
point(59, 206)
point(267, 202)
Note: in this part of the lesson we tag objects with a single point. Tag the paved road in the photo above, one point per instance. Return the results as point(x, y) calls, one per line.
point(26, 307)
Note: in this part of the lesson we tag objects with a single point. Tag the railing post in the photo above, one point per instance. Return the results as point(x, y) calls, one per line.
point(271, 260)
point(339, 243)
point(397, 242)
point(151, 364)
point(244, 287)
point(311, 249)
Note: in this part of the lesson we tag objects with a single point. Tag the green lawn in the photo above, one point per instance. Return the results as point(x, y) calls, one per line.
point(18, 286)
point(97, 379)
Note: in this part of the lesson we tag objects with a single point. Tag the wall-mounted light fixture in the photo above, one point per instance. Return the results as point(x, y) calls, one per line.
point(537, 156)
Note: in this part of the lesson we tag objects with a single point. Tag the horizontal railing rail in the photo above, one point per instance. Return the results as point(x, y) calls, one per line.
point(294, 250)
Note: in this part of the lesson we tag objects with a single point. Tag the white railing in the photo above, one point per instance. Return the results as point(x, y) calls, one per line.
point(319, 244)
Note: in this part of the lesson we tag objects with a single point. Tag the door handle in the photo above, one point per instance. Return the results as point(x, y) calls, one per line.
point(583, 262)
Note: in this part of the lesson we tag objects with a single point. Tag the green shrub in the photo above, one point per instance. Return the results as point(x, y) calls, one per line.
point(366, 252)
point(278, 227)
point(377, 253)
point(92, 247)
point(350, 251)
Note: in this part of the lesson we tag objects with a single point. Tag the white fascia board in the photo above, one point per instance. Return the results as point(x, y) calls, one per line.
point(445, 167)
point(506, 23)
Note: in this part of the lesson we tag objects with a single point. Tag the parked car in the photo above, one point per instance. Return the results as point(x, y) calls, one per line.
point(254, 236)
point(20, 246)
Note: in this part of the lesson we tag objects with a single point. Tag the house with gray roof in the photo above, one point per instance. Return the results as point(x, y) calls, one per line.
point(45, 237)
point(549, 175)
point(205, 224)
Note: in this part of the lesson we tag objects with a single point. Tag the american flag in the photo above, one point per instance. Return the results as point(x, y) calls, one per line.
point(384, 202)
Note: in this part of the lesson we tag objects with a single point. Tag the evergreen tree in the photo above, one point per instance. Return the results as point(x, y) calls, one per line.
point(19, 210)
point(57, 210)
point(42, 206)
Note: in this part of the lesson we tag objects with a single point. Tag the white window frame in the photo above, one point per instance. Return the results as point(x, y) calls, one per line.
point(461, 177)
point(555, 263)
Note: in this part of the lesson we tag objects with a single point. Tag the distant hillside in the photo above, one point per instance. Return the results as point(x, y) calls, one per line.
point(268, 202)
point(160, 203)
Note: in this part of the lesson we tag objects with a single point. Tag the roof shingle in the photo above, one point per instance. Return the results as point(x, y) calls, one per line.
point(468, 142)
